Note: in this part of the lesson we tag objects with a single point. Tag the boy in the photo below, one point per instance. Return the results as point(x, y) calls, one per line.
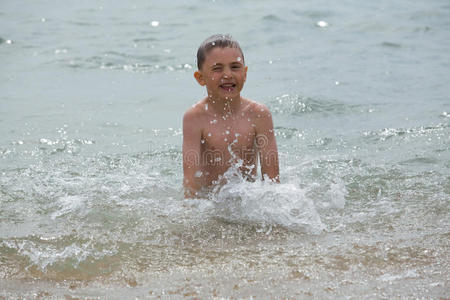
point(225, 129)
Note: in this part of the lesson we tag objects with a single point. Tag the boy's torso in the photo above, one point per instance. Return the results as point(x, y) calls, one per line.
point(228, 139)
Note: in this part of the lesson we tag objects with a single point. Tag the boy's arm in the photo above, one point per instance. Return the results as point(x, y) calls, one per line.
point(191, 154)
point(267, 145)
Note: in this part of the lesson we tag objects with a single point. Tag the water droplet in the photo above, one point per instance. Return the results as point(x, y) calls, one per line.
point(322, 24)
point(206, 106)
point(227, 132)
point(209, 134)
point(198, 174)
point(43, 19)
point(239, 58)
point(155, 23)
point(225, 139)
point(58, 51)
point(213, 121)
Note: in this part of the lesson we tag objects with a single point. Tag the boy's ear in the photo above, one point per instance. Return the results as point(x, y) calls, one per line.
point(246, 68)
point(199, 77)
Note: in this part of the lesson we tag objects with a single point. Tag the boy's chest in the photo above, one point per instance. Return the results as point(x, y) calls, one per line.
point(219, 135)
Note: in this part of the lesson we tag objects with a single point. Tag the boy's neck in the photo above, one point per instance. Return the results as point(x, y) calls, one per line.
point(224, 106)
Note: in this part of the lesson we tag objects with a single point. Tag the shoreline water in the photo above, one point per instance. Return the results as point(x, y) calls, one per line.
point(91, 201)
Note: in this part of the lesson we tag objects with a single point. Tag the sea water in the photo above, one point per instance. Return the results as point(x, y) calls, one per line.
point(91, 102)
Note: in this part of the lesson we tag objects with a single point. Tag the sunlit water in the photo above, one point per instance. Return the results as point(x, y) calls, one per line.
point(92, 95)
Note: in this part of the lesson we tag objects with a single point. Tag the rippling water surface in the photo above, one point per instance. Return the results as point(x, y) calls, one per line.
point(92, 95)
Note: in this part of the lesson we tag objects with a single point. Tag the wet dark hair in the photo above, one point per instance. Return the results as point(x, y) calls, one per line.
point(216, 40)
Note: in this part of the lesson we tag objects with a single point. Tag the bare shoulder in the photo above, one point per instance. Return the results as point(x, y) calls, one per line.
point(256, 110)
point(195, 112)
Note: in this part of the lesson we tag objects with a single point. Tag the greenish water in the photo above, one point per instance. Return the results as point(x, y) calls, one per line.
point(92, 96)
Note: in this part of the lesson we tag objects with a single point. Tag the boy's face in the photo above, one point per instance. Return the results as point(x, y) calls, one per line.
point(223, 73)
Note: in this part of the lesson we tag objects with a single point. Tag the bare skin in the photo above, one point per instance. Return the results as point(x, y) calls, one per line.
point(225, 128)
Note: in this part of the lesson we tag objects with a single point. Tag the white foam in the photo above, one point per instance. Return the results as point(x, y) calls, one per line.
point(43, 255)
point(265, 203)
point(337, 195)
point(68, 204)
point(404, 275)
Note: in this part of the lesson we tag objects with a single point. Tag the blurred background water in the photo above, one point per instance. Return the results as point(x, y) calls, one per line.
point(92, 96)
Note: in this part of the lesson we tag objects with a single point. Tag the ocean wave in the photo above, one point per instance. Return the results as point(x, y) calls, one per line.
point(289, 133)
point(124, 62)
point(300, 105)
point(52, 257)
point(389, 133)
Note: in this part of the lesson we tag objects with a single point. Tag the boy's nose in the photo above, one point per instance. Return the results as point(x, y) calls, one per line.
point(227, 73)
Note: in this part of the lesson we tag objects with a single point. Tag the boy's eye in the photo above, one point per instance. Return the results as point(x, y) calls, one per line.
point(217, 68)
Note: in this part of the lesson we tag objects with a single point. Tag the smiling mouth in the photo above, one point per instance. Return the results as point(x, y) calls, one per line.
point(228, 86)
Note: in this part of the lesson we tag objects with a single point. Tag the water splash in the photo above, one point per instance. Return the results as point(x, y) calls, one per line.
point(68, 204)
point(265, 203)
point(43, 253)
